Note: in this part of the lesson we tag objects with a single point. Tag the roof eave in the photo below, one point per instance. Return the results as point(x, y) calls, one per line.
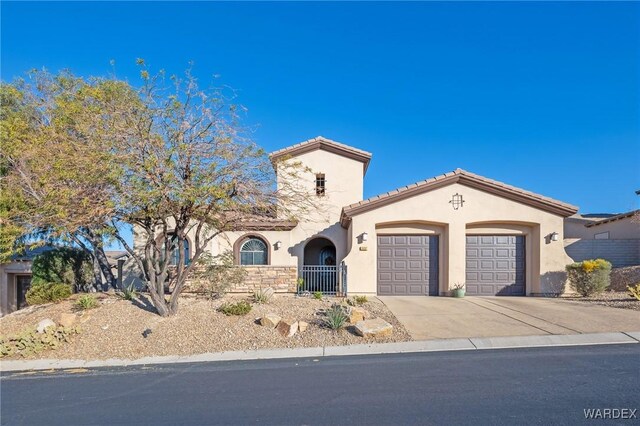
point(505, 192)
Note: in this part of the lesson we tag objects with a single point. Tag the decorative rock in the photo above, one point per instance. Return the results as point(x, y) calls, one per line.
point(373, 327)
point(270, 320)
point(302, 326)
point(287, 327)
point(357, 314)
point(67, 320)
point(44, 324)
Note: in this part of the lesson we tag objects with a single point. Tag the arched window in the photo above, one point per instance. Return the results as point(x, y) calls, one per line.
point(173, 257)
point(253, 252)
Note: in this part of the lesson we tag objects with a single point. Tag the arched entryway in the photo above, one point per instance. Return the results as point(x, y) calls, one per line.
point(320, 252)
point(319, 271)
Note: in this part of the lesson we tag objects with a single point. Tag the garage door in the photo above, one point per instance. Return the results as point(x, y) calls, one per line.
point(407, 265)
point(495, 265)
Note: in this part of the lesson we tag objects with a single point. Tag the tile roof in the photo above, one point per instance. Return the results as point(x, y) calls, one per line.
point(323, 143)
point(613, 218)
point(466, 178)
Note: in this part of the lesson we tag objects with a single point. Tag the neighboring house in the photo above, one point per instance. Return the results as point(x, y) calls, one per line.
point(15, 276)
point(418, 240)
point(614, 237)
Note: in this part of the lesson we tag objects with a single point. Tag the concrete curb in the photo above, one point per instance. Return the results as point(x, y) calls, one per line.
point(474, 343)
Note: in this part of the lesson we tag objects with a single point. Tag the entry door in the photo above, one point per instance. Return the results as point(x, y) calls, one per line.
point(23, 282)
point(407, 265)
point(495, 265)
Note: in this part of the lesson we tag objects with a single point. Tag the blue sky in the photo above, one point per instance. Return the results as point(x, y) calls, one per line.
point(544, 96)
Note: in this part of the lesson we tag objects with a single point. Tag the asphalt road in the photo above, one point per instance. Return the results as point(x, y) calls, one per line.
point(516, 386)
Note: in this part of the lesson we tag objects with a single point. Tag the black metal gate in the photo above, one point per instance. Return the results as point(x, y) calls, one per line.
point(326, 279)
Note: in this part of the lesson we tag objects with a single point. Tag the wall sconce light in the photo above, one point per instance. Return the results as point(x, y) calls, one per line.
point(278, 244)
point(456, 201)
point(364, 236)
point(554, 236)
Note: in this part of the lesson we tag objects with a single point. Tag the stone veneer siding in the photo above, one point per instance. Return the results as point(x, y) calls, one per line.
point(283, 279)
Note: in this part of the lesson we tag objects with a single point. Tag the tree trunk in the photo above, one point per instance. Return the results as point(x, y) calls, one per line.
point(101, 258)
point(105, 268)
point(97, 275)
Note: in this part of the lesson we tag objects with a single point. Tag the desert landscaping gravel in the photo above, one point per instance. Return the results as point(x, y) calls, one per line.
point(613, 299)
point(117, 328)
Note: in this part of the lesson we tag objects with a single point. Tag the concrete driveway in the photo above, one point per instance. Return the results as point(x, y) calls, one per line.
point(447, 317)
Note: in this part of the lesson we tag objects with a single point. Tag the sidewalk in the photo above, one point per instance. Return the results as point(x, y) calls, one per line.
point(474, 343)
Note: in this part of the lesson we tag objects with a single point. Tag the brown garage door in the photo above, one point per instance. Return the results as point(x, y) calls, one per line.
point(407, 265)
point(495, 265)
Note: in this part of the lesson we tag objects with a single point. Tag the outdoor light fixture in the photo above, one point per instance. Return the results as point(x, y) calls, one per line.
point(278, 245)
point(365, 236)
point(554, 236)
point(456, 201)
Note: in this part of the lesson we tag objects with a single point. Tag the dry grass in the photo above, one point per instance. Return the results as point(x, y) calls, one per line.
point(117, 328)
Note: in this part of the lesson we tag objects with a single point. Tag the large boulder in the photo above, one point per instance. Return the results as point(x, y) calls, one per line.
point(287, 327)
point(357, 314)
point(270, 320)
point(373, 328)
point(44, 324)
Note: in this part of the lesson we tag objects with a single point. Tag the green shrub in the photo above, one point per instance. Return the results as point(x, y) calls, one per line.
point(86, 301)
point(216, 274)
point(262, 295)
point(240, 308)
point(589, 277)
point(317, 295)
point(65, 265)
point(335, 317)
point(39, 294)
point(357, 300)
point(129, 292)
point(634, 291)
point(31, 342)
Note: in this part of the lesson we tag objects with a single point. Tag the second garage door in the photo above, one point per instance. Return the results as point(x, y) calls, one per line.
point(407, 265)
point(495, 265)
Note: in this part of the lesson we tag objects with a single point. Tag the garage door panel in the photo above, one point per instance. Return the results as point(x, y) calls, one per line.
point(384, 252)
point(495, 265)
point(416, 252)
point(384, 240)
point(415, 240)
point(407, 265)
point(402, 240)
point(486, 253)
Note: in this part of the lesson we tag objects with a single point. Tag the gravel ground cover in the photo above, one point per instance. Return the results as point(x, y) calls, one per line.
point(614, 299)
point(117, 328)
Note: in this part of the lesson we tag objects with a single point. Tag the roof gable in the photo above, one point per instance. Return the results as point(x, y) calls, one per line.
point(464, 178)
point(324, 144)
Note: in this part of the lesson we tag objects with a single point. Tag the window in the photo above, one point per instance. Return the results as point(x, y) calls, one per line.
point(320, 184)
point(253, 252)
point(173, 257)
point(602, 236)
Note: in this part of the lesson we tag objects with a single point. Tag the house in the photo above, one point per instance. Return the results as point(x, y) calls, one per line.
point(614, 237)
point(15, 276)
point(418, 240)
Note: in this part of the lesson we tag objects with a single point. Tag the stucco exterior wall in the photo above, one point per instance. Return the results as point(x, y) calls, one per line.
point(344, 184)
point(482, 213)
point(621, 229)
